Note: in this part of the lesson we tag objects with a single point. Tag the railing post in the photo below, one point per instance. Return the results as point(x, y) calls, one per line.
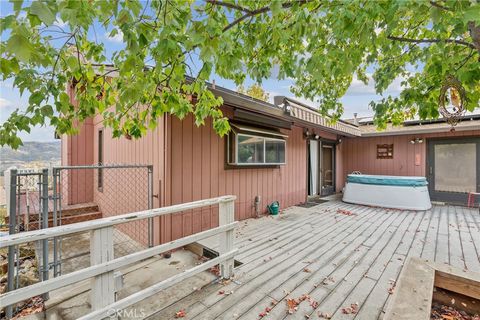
point(226, 216)
point(101, 250)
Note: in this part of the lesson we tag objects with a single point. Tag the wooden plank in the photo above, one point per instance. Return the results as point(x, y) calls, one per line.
point(150, 291)
point(254, 282)
point(371, 302)
point(333, 254)
point(79, 275)
point(429, 247)
point(101, 251)
point(457, 280)
point(474, 232)
point(373, 305)
point(226, 216)
point(258, 248)
point(470, 255)
point(442, 251)
point(414, 288)
point(454, 242)
point(419, 240)
point(294, 237)
point(36, 235)
point(371, 264)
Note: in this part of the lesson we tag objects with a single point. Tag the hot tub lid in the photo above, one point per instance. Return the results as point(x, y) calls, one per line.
point(387, 180)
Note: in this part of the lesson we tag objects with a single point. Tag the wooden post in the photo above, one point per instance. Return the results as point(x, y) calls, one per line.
point(226, 215)
point(101, 250)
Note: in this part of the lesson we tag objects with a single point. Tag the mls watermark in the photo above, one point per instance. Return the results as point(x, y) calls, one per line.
point(132, 313)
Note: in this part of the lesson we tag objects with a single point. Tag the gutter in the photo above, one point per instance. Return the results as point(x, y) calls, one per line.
point(461, 127)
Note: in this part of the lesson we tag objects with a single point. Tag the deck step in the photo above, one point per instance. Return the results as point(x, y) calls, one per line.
point(69, 219)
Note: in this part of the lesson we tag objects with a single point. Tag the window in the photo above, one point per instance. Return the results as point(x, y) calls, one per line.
point(255, 149)
point(384, 151)
point(100, 160)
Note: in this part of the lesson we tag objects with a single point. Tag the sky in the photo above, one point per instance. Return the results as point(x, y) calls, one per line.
point(356, 100)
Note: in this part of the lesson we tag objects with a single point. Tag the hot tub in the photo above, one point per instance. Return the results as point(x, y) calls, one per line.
point(409, 193)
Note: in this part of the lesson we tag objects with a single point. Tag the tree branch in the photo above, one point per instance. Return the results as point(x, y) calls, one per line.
point(248, 12)
point(437, 5)
point(460, 42)
point(229, 5)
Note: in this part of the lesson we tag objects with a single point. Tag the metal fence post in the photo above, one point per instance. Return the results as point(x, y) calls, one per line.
point(45, 265)
point(226, 215)
point(54, 221)
point(150, 205)
point(11, 230)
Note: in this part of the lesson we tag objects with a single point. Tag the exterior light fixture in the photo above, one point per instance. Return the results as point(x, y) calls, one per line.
point(416, 140)
point(306, 134)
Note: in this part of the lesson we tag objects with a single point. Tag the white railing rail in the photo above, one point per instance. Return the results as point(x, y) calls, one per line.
point(103, 263)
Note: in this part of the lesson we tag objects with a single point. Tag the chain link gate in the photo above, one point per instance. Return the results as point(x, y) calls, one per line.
point(83, 193)
point(27, 194)
point(69, 194)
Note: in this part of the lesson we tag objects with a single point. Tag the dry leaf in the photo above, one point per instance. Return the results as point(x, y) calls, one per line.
point(292, 305)
point(180, 314)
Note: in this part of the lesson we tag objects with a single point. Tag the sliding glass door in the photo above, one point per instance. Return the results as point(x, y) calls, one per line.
point(321, 168)
point(453, 169)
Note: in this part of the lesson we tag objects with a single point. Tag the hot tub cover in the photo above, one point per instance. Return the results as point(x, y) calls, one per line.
point(387, 180)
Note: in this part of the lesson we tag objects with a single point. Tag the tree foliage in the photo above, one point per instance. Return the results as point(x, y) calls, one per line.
point(321, 45)
point(255, 91)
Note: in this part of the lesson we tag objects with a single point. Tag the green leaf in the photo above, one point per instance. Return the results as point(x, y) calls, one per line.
point(43, 12)
point(20, 47)
point(17, 5)
point(472, 14)
point(276, 7)
point(36, 98)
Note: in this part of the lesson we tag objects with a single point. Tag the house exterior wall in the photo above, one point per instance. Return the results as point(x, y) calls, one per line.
point(126, 190)
point(188, 165)
point(359, 154)
point(196, 170)
point(77, 150)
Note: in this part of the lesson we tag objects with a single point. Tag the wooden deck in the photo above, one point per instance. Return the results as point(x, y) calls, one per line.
point(334, 258)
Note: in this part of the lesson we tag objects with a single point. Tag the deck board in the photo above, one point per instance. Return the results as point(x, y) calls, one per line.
point(335, 259)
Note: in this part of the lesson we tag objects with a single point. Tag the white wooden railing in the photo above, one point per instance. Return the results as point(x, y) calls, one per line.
point(103, 263)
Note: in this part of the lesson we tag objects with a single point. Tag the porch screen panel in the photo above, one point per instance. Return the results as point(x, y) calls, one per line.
point(455, 167)
point(313, 167)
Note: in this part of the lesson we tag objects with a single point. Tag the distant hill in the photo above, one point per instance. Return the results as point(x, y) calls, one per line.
point(31, 154)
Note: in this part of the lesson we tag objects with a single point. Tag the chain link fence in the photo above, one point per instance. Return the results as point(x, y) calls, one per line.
point(27, 202)
point(84, 193)
point(66, 195)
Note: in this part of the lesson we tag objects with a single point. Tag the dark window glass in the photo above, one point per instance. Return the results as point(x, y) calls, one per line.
point(250, 149)
point(274, 151)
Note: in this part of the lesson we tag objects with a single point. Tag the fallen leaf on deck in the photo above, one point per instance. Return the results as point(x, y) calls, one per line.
point(324, 315)
point(307, 270)
point(353, 309)
point(346, 212)
point(180, 314)
point(292, 305)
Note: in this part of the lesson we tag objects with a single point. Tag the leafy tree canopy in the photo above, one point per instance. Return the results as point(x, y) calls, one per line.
point(255, 91)
point(321, 45)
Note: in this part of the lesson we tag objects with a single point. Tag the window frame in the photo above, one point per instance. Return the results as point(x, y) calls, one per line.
point(265, 137)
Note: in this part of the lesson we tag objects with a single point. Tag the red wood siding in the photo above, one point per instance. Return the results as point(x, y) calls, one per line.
point(196, 158)
point(77, 150)
point(126, 190)
point(360, 154)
